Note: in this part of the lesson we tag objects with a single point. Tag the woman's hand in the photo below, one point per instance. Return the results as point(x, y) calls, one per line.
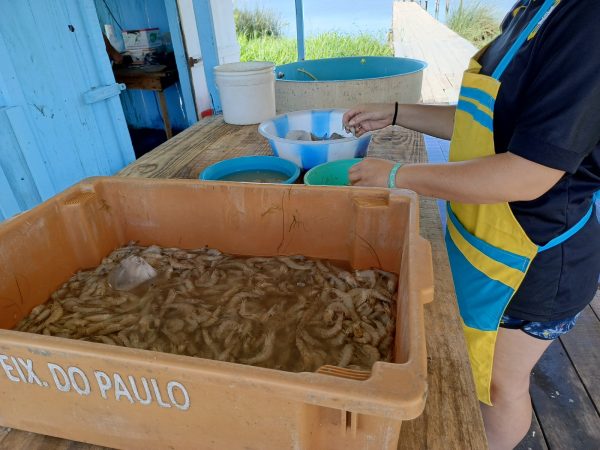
point(371, 172)
point(369, 117)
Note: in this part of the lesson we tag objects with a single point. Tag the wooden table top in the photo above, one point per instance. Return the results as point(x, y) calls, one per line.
point(452, 419)
point(152, 78)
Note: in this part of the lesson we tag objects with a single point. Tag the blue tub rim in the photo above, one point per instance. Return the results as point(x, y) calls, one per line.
point(276, 163)
point(423, 64)
point(268, 136)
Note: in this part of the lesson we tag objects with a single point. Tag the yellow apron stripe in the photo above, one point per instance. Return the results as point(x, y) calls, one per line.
point(492, 268)
point(496, 225)
point(479, 106)
point(486, 84)
point(481, 354)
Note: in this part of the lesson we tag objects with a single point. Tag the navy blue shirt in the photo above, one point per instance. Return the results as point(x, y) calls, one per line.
point(548, 111)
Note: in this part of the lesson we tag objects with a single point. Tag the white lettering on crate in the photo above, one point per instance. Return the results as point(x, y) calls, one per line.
point(141, 390)
point(144, 391)
point(18, 364)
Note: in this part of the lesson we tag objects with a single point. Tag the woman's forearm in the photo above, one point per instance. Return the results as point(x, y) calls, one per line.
point(434, 120)
point(500, 178)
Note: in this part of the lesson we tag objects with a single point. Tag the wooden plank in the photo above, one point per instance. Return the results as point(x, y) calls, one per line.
point(16, 439)
point(183, 69)
point(596, 304)
point(452, 418)
point(82, 149)
point(8, 205)
point(418, 35)
point(99, 94)
point(142, 83)
point(164, 111)
point(566, 414)
point(146, 79)
point(30, 150)
point(118, 148)
point(187, 154)
point(534, 440)
point(582, 346)
point(208, 45)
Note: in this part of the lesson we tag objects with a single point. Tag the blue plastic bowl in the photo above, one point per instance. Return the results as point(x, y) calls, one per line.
point(308, 154)
point(227, 167)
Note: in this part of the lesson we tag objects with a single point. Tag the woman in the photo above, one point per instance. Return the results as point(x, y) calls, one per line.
point(522, 238)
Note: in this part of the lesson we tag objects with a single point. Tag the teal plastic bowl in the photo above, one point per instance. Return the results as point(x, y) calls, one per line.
point(334, 173)
point(228, 167)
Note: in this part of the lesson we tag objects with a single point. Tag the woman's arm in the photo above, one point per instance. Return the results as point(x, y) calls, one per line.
point(435, 120)
point(504, 177)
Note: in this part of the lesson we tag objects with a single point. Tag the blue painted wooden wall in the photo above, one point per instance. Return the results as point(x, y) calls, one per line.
point(141, 107)
point(61, 119)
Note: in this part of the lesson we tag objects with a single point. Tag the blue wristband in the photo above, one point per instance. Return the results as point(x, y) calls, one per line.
point(392, 177)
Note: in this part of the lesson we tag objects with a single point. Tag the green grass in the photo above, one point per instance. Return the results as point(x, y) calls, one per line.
point(257, 23)
point(281, 50)
point(475, 22)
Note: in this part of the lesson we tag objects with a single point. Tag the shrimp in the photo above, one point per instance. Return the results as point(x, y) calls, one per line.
point(210, 343)
point(331, 332)
point(305, 353)
point(213, 319)
point(247, 314)
point(370, 353)
point(348, 303)
point(266, 351)
point(347, 278)
point(284, 312)
point(294, 265)
point(366, 276)
point(391, 280)
point(56, 312)
point(346, 355)
point(303, 333)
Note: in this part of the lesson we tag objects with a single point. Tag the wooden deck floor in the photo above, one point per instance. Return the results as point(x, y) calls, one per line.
point(418, 35)
point(565, 388)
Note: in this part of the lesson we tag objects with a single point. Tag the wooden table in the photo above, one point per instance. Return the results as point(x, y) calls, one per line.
point(150, 78)
point(452, 419)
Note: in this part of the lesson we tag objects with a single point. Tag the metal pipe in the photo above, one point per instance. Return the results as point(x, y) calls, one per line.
point(300, 30)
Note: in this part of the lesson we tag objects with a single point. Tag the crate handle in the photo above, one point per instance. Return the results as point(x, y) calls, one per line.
point(424, 269)
point(351, 374)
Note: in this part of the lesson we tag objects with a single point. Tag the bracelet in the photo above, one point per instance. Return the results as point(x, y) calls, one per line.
point(395, 114)
point(392, 177)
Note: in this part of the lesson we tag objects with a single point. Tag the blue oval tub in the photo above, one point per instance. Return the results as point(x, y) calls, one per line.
point(347, 82)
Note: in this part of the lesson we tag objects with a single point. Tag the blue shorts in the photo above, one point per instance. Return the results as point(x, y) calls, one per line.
point(541, 330)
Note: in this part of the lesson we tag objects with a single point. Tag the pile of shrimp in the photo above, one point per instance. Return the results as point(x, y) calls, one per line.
point(287, 313)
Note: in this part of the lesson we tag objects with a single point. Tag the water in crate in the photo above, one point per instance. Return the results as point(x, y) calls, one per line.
point(288, 312)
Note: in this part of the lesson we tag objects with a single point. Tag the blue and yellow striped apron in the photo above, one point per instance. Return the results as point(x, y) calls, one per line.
point(489, 251)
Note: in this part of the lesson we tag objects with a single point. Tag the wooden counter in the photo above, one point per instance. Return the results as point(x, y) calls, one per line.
point(452, 419)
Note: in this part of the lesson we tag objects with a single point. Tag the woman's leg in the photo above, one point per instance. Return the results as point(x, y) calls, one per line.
point(507, 422)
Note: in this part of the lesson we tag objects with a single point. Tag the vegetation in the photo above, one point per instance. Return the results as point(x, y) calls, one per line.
point(475, 22)
point(327, 45)
point(257, 23)
point(260, 37)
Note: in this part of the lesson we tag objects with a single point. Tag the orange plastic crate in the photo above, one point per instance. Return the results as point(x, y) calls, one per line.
point(85, 391)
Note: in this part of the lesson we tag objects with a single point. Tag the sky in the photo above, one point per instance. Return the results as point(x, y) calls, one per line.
point(370, 16)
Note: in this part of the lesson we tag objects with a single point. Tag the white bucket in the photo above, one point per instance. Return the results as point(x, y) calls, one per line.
point(247, 91)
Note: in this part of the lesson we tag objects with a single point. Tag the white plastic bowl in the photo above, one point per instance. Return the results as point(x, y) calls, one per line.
point(308, 154)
